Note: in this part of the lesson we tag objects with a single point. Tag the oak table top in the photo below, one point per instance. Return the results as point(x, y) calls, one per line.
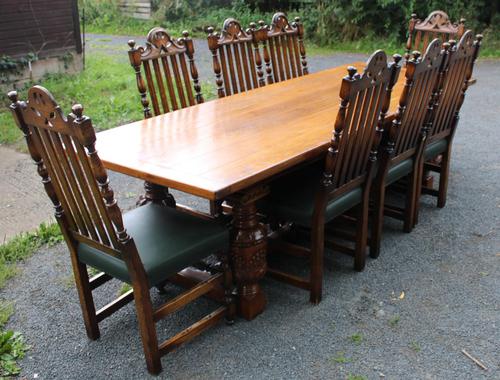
point(222, 146)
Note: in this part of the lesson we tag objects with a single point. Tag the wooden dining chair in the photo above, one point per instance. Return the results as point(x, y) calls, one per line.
point(236, 59)
point(283, 48)
point(142, 247)
point(167, 80)
point(170, 71)
point(402, 145)
point(436, 25)
point(315, 195)
point(455, 82)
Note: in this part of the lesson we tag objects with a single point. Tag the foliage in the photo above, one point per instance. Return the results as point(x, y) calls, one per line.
point(22, 246)
point(12, 348)
point(10, 65)
point(335, 24)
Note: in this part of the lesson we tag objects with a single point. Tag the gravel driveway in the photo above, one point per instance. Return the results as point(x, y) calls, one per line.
point(448, 269)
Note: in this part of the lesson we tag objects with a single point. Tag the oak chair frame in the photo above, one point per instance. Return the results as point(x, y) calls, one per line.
point(63, 149)
point(455, 80)
point(167, 79)
point(283, 48)
point(350, 163)
point(236, 58)
point(436, 25)
point(404, 137)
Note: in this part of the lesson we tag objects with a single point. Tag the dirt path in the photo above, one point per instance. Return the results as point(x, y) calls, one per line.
point(23, 204)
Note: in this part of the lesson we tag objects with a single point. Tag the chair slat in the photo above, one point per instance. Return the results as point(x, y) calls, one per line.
point(170, 84)
point(161, 86)
point(178, 81)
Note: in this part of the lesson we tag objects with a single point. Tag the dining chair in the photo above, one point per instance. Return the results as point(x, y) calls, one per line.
point(436, 25)
point(283, 48)
point(446, 114)
point(316, 194)
point(236, 59)
point(402, 144)
point(167, 79)
point(169, 68)
point(142, 247)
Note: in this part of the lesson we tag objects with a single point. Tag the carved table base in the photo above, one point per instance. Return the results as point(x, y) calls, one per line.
point(156, 194)
point(248, 252)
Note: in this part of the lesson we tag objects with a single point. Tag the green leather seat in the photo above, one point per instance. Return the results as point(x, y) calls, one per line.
point(399, 171)
point(167, 240)
point(292, 197)
point(435, 148)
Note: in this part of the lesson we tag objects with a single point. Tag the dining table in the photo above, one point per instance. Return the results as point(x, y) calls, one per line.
point(230, 149)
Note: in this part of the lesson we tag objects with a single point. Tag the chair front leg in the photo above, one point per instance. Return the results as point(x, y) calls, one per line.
point(147, 326)
point(86, 298)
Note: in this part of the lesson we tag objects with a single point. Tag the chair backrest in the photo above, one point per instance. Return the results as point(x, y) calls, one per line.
point(169, 80)
point(436, 25)
point(236, 58)
point(359, 124)
point(283, 49)
point(458, 71)
point(417, 99)
point(74, 178)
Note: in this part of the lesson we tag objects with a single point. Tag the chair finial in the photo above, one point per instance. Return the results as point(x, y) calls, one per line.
point(131, 43)
point(397, 58)
point(78, 111)
point(352, 71)
point(13, 96)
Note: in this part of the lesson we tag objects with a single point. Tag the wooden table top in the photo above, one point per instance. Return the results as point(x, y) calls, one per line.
point(222, 146)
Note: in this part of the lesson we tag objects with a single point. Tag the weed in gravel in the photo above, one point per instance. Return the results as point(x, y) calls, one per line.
point(124, 289)
point(6, 310)
point(12, 349)
point(357, 338)
point(341, 359)
point(394, 321)
point(415, 346)
point(356, 377)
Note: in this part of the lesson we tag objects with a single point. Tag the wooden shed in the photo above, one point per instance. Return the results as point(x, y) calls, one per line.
point(46, 33)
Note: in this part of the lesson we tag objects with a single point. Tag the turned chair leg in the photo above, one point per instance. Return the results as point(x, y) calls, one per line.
point(443, 178)
point(361, 235)
point(377, 221)
point(147, 328)
point(86, 299)
point(317, 252)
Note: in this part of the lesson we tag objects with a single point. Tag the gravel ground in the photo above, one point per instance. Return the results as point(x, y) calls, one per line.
point(448, 269)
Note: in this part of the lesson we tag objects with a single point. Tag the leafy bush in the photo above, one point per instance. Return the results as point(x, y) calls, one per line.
point(12, 348)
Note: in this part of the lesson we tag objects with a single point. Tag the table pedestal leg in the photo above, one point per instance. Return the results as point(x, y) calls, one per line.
point(248, 252)
point(157, 194)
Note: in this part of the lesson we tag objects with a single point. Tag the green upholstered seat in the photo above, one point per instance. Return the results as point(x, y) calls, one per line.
point(292, 197)
point(399, 171)
point(435, 148)
point(167, 240)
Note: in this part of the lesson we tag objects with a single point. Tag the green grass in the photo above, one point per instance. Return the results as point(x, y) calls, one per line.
point(356, 338)
point(394, 321)
point(107, 90)
point(341, 358)
point(415, 346)
point(12, 346)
